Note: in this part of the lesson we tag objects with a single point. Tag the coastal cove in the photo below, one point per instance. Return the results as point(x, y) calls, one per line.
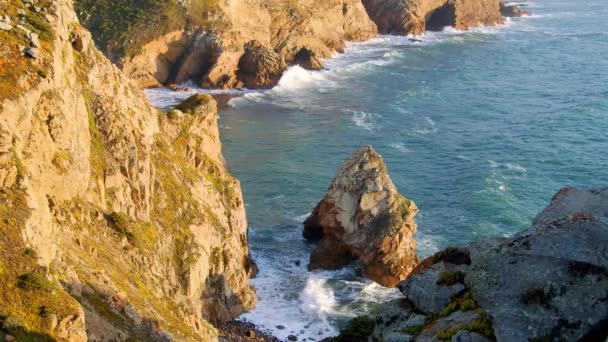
point(310, 170)
point(479, 128)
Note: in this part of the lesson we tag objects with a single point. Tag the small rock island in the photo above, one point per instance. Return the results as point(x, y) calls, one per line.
point(363, 218)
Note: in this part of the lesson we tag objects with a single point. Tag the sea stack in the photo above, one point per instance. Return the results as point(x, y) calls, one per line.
point(363, 218)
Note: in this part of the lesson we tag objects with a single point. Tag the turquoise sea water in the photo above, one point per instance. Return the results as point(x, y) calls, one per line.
point(479, 128)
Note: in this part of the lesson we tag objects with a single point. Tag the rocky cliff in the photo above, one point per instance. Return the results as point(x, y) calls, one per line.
point(417, 16)
point(228, 43)
point(211, 39)
point(546, 283)
point(118, 221)
point(363, 218)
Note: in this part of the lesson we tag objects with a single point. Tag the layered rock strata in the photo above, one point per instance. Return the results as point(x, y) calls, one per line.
point(118, 222)
point(363, 218)
point(547, 283)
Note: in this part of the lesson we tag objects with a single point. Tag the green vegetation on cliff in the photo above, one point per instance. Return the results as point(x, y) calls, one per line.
point(29, 301)
point(122, 27)
point(18, 71)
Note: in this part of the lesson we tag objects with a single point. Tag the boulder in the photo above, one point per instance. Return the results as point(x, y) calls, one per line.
point(260, 67)
point(363, 218)
point(511, 11)
point(198, 104)
point(307, 59)
point(433, 282)
point(397, 318)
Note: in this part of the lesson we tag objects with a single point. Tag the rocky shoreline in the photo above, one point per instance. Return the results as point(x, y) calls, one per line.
point(247, 44)
point(120, 222)
point(238, 331)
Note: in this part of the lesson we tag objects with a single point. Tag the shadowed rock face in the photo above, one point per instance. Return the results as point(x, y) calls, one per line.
point(416, 16)
point(511, 11)
point(549, 282)
point(363, 218)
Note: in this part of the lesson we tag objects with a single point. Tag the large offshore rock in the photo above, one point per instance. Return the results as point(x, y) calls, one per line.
point(362, 217)
point(417, 16)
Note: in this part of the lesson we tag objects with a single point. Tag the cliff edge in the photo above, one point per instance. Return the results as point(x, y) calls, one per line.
point(118, 221)
point(546, 283)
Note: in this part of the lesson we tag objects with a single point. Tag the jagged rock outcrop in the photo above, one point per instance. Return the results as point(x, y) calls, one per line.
point(260, 67)
point(117, 221)
point(207, 47)
point(416, 16)
point(512, 11)
point(363, 218)
point(549, 282)
point(307, 59)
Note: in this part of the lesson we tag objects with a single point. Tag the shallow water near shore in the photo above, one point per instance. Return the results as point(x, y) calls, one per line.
point(479, 128)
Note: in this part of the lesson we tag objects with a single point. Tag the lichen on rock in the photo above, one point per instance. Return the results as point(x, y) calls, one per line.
point(363, 218)
point(546, 283)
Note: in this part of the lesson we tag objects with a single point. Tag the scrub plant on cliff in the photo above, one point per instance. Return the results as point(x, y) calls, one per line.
point(27, 297)
point(18, 71)
point(122, 27)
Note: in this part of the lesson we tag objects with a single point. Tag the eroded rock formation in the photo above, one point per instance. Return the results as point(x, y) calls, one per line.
point(549, 282)
point(209, 51)
point(117, 221)
point(363, 218)
point(417, 16)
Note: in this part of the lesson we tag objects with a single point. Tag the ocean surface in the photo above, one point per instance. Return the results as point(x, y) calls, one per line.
point(479, 128)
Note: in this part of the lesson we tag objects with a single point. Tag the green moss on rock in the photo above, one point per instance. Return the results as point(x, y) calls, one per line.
point(482, 325)
point(449, 278)
point(358, 330)
point(121, 27)
point(198, 104)
point(460, 302)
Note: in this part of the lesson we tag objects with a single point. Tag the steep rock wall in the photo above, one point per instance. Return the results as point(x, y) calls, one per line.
point(209, 53)
point(126, 215)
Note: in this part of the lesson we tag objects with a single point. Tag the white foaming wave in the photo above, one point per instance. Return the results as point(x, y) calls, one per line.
point(297, 78)
point(165, 98)
point(509, 166)
point(292, 300)
point(516, 167)
point(430, 127)
point(400, 147)
point(301, 218)
point(363, 119)
point(372, 292)
point(317, 298)
point(427, 245)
